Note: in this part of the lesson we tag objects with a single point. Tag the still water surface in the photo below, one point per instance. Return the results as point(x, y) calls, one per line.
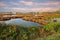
point(21, 22)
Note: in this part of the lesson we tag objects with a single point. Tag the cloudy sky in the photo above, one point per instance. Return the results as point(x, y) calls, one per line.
point(29, 5)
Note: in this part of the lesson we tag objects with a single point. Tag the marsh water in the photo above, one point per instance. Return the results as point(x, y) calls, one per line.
point(21, 22)
point(24, 23)
point(58, 19)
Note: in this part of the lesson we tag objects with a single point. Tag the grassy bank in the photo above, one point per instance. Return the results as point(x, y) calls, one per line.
point(14, 32)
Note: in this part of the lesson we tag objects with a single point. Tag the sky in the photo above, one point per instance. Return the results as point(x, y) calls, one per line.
point(29, 5)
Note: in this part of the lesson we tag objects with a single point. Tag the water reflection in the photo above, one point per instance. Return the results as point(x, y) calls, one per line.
point(21, 22)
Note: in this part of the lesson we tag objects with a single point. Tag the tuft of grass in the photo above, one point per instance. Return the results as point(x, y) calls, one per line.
point(51, 37)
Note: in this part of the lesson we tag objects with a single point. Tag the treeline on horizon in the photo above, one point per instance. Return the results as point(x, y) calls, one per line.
point(33, 12)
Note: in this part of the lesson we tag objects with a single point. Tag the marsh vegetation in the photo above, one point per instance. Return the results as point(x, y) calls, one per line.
point(51, 31)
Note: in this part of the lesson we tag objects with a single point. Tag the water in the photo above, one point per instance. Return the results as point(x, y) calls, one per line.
point(58, 19)
point(22, 22)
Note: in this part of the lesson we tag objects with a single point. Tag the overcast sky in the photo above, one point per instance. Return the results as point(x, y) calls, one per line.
point(29, 5)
